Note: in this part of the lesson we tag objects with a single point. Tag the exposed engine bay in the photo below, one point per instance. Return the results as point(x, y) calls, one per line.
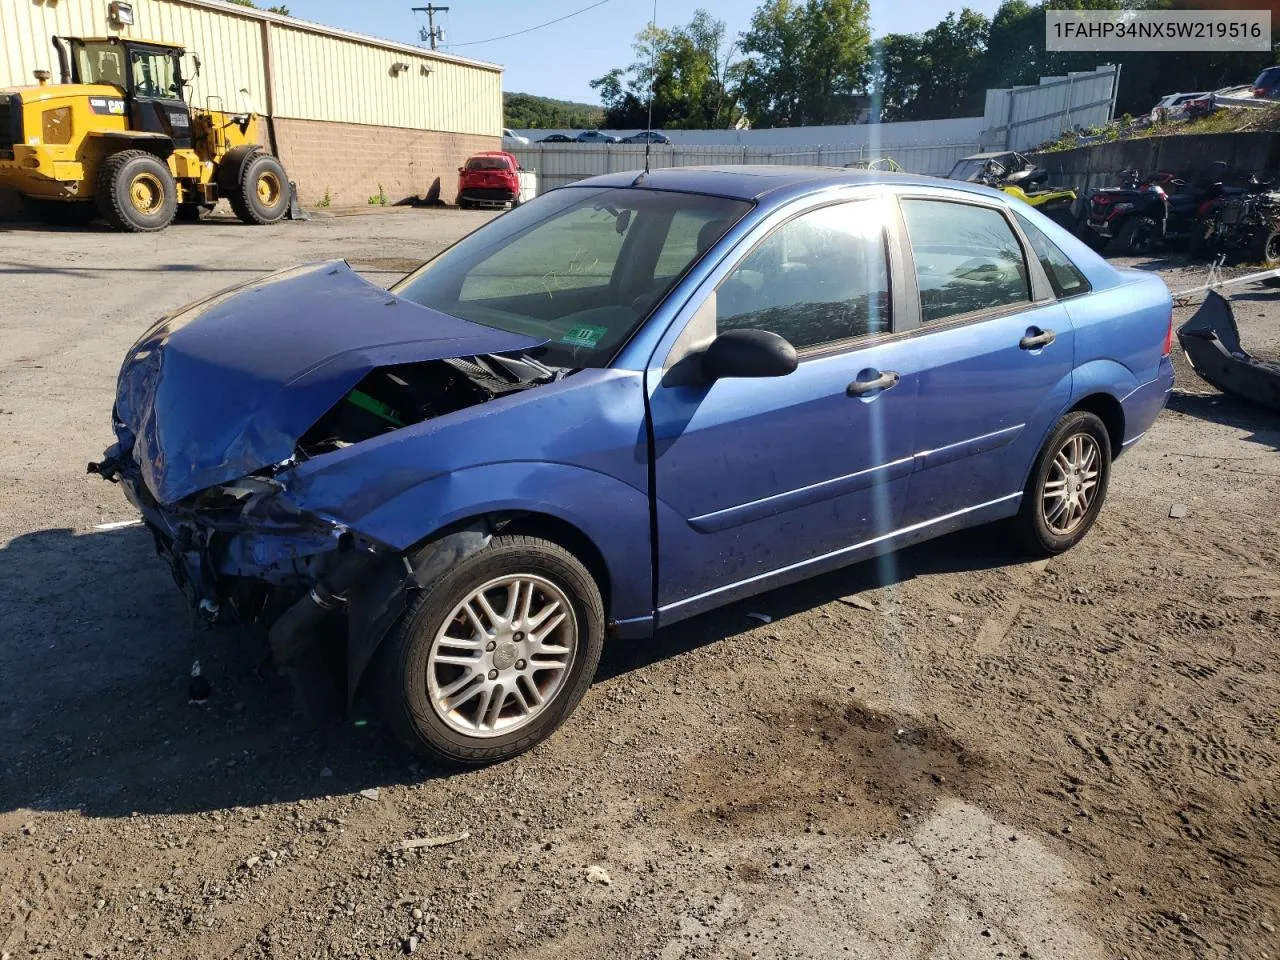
point(390, 398)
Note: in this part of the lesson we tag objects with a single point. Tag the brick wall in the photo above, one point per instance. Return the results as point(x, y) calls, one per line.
point(350, 160)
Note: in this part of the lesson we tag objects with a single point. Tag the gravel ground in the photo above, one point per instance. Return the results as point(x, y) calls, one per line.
point(950, 753)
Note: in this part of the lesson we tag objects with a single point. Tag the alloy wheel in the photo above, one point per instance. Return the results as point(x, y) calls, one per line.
point(502, 656)
point(1072, 484)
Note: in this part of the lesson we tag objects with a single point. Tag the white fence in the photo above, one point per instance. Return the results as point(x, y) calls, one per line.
point(1017, 118)
point(561, 163)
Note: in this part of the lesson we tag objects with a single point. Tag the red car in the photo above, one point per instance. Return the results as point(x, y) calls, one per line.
point(489, 179)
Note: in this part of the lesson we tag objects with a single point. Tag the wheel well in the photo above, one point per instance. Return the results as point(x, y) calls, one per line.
point(1107, 409)
point(566, 535)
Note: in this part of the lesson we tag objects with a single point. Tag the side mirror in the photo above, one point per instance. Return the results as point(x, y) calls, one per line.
point(460, 169)
point(748, 353)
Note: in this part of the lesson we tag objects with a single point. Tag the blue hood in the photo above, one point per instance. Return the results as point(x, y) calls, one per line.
point(228, 385)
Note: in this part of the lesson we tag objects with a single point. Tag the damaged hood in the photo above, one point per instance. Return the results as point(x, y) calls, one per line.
point(228, 385)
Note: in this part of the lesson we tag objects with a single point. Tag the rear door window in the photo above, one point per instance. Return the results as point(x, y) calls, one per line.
point(1066, 280)
point(967, 257)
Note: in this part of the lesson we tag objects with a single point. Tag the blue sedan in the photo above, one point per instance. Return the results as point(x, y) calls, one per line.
point(629, 401)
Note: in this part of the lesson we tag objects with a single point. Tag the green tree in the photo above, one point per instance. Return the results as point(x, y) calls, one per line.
point(951, 56)
point(279, 8)
point(893, 75)
point(524, 111)
point(804, 62)
point(685, 70)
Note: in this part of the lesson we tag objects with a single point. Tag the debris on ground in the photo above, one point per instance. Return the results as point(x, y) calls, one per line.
point(598, 874)
point(1178, 511)
point(762, 617)
point(857, 600)
point(422, 843)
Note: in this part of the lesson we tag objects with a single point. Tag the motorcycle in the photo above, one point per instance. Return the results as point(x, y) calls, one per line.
point(1142, 213)
point(1245, 225)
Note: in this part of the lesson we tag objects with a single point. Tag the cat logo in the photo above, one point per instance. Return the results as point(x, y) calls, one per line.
point(107, 106)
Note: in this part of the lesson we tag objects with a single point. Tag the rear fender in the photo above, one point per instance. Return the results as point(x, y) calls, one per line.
point(232, 165)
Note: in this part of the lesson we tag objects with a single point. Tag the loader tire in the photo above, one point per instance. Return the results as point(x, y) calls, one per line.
point(135, 192)
point(261, 195)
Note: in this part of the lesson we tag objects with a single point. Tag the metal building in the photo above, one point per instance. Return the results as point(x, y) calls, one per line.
point(351, 116)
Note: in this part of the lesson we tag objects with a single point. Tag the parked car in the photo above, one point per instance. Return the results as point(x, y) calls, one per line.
point(595, 136)
point(556, 138)
point(647, 136)
point(884, 164)
point(1267, 84)
point(467, 482)
point(489, 179)
point(512, 139)
point(1175, 106)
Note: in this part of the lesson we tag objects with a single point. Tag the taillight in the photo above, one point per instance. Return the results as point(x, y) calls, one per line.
point(1168, 337)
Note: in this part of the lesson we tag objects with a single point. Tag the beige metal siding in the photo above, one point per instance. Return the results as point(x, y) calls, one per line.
point(320, 74)
point(230, 47)
point(324, 78)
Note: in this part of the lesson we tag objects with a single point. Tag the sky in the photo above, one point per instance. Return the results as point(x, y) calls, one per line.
point(561, 60)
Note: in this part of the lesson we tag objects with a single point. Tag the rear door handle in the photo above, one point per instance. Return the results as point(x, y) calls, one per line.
point(1033, 341)
point(884, 381)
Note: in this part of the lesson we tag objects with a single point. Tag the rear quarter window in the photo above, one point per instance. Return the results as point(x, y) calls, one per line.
point(1065, 278)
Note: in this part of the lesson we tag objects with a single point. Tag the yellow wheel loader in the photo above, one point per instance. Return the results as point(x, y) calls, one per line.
point(115, 138)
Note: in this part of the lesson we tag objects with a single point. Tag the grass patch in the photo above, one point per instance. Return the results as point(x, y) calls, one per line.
point(1224, 120)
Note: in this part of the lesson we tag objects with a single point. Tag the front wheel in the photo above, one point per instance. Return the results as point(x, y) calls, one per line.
point(1264, 246)
point(261, 196)
point(1138, 236)
point(1067, 486)
point(136, 192)
point(493, 656)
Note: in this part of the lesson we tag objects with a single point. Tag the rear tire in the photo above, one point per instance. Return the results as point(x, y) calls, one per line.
point(1264, 246)
point(59, 213)
point(418, 687)
point(135, 192)
point(261, 195)
point(1138, 236)
point(1067, 487)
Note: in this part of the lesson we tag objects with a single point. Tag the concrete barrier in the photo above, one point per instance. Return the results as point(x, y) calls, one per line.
point(1099, 165)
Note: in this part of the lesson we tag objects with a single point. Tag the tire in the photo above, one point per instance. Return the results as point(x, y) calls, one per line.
point(1033, 524)
point(464, 204)
point(59, 213)
point(1264, 246)
point(408, 684)
point(1138, 236)
point(135, 192)
point(260, 195)
point(1092, 238)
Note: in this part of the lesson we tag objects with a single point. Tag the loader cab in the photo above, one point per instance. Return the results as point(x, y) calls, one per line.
point(148, 74)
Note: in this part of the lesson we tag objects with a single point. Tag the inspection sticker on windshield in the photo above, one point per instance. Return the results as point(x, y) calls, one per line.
point(583, 335)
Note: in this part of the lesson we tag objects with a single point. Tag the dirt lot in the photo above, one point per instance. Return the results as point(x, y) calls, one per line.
point(953, 753)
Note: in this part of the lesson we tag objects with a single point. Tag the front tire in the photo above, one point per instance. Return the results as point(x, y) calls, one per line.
point(491, 658)
point(261, 196)
point(1067, 486)
point(1138, 236)
point(1264, 246)
point(135, 192)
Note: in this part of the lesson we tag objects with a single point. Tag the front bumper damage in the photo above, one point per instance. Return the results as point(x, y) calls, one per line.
point(244, 553)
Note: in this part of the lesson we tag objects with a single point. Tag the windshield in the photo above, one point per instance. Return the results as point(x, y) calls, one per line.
point(967, 170)
point(154, 76)
point(100, 63)
point(487, 163)
point(579, 266)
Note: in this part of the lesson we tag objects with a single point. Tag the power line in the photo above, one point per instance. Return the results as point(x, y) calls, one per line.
point(507, 36)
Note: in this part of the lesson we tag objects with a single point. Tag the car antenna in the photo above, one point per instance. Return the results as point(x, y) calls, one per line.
point(653, 82)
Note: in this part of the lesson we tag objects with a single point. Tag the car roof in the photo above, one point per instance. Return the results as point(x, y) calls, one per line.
point(756, 181)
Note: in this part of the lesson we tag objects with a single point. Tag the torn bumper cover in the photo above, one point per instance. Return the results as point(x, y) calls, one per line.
point(243, 553)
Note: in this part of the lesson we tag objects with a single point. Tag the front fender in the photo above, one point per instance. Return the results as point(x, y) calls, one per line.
point(613, 515)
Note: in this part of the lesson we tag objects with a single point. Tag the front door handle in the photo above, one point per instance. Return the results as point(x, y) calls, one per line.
point(883, 381)
point(1034, 341)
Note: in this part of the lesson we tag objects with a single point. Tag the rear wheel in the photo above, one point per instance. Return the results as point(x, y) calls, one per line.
point(491, 658)
point(1138, 236)
point(1264, 246)
point(1067, 485)
point(59, 213)
point(136, 192)
point(261, 196)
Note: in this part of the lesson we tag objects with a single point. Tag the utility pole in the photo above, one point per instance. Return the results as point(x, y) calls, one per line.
point(431, 34)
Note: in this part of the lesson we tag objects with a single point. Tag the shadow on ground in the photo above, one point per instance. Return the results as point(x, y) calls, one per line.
point(1263, 424)
point(95, 668)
